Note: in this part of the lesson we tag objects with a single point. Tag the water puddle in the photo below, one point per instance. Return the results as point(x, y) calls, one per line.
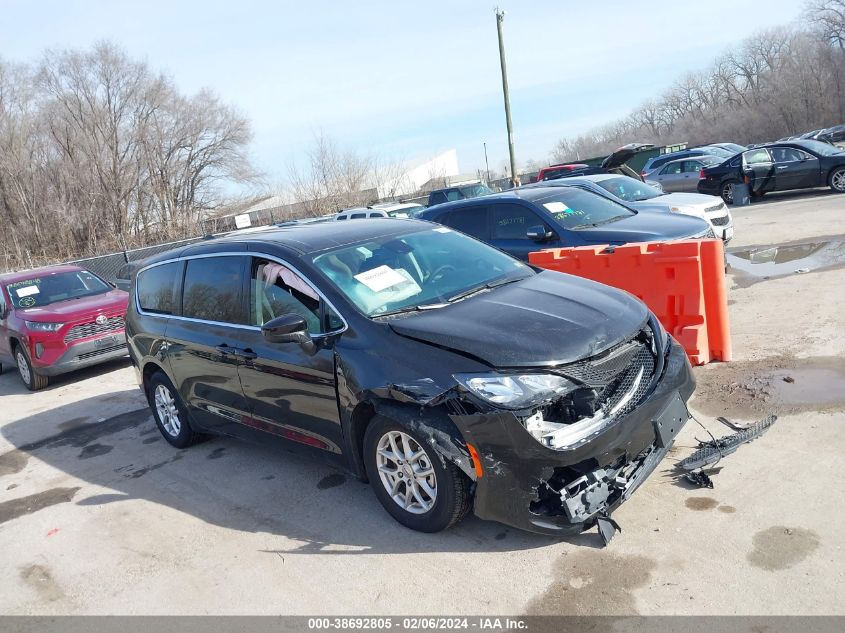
point(782, 260)
point(807, 386)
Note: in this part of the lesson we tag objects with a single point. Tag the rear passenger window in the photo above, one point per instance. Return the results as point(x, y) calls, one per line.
point(512, 221)
point(471, 220)
point(358, 216)
point(454, 194)
point(671, 168)
point(158, 288)
point(213, 289)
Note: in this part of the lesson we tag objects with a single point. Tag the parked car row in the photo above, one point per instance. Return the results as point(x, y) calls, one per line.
point(835, 134)
point(777, 167)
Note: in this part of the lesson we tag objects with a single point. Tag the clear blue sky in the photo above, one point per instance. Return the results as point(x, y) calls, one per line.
point(404, 80)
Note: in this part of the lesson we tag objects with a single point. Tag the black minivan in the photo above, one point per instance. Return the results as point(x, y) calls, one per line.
point(445, 372)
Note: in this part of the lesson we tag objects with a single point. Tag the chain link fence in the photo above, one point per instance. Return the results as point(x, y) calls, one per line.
point(108, 266)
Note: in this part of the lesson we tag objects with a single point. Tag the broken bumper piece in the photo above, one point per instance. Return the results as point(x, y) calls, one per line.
point(564, 491)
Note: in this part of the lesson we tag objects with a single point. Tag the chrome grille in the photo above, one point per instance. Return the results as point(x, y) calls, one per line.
point(720, 221)
point(614, 374)
point(86, 330)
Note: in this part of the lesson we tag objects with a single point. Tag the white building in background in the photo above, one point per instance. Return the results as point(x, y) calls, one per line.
point(416, 173)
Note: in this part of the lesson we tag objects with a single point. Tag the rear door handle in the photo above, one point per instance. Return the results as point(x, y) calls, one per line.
point(225, 349)
point(246, 354)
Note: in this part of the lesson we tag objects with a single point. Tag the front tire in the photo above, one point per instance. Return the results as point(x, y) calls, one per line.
point(837, 180)
point(31, 379)
point(170, 416)
point(412, 482)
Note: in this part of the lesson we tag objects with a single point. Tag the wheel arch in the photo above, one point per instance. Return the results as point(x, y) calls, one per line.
point(433, 423)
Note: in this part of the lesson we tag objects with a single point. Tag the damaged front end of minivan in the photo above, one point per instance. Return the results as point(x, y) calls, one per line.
point(561, 448)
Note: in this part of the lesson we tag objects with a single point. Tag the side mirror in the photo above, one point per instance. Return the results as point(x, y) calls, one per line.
point(289, 328)
point(539, 234)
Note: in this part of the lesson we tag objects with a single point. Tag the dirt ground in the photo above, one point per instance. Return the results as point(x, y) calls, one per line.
point(98, 515)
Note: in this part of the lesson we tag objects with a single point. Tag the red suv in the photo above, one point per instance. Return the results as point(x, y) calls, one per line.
point(55, 320)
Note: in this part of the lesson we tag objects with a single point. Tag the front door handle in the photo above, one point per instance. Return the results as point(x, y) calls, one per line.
point(225, 349)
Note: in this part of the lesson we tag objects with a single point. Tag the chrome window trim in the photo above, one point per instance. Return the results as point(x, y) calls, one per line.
point(273, 258)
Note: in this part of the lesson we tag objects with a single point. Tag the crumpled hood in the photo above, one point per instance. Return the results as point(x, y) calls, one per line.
point(547, 319)
point(644, 227)
point(114, 301)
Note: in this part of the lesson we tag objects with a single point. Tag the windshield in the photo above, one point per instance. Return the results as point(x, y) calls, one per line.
point(820, 148)
point(474, 191)
point(575, 208)
point(629, 189)
point(425, 268)
point(54, 287)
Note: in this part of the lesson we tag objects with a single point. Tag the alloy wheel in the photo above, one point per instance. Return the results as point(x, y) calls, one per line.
point(838, 180)
point(728, 192)
point(168, 414)
point(406, 472)
point(23, 367)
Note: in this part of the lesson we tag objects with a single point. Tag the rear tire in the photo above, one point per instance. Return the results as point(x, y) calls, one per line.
point(169, 413)
point(727, 191)
point(31, 379)
point(837, 180)
point(414, 506)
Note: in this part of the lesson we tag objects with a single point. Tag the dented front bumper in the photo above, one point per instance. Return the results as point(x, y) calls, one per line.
point(529, 486)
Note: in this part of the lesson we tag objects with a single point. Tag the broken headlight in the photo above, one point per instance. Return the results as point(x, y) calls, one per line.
point(516, 391)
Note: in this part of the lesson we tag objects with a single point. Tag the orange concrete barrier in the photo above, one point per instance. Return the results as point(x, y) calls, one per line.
point(682, 282)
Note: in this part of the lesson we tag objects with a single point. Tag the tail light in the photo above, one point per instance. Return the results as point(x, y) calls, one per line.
point(701, 175)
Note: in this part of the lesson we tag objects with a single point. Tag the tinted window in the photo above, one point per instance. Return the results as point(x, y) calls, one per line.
point(469, 220)
point(158, 288)
point(689, 166)
point(436, 198)
point(512, 221)
point(213, 289)
point(671, 168)
point(575, 208)
point(454, 194)
point(358, 216)
point(786, 154)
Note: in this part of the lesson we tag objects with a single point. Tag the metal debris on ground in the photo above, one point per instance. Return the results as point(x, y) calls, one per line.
point(788, 379)
point(733, 425)
point(711, 452)
point(607, 528)
point(700, 479)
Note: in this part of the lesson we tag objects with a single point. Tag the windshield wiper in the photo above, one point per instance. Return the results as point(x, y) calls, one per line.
point(593, 224)
point(419, 308)
point(488, 286)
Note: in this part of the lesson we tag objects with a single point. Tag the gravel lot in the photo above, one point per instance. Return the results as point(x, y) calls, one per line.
point(98, 515)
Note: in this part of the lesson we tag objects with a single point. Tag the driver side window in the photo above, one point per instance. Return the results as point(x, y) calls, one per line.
point(275, 290)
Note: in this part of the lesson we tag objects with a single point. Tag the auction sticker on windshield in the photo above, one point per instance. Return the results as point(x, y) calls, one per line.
point(381, 278)
point(27, 290)
point(557, 207)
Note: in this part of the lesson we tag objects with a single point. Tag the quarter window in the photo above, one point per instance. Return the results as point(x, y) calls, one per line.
point(213, 289)
point(158, 288)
